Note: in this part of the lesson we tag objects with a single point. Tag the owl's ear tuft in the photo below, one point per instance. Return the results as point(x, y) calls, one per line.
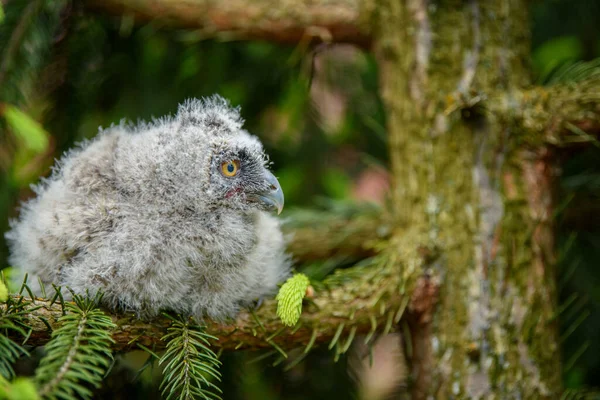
point(212, 113)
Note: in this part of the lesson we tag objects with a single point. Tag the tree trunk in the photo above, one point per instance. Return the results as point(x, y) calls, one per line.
point(464, 190)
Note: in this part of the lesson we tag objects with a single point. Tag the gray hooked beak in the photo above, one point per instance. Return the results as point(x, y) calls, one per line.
point(273, 196)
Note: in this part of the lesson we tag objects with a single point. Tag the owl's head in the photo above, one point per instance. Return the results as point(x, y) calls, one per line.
point(221, 163)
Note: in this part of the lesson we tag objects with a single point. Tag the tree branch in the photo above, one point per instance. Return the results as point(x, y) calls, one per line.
point(322, 317)
point(342, 307)
point(351, 232)
point(288, 21)
point(369, 301)
point(559, 115)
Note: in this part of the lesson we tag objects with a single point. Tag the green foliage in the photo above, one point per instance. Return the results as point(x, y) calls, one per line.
point(575, 72)
point(11, 322)
point(79, 353)
point(554, 53)
point(578, 275)
point(336, 183)
point(327, 211)
point(3, 292)
point(26, 37)
point(190, 366)
point(28, 33)
point(289, 299)
point(580, 394)
point(19, 389)
point(30, 132)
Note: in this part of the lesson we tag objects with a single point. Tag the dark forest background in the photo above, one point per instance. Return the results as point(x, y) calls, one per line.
point(319, 116)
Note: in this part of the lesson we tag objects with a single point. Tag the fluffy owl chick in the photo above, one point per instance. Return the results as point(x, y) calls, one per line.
point(172, 214)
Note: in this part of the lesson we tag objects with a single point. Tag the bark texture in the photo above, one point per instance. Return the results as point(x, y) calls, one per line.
point(287, 21)
point(465, 185)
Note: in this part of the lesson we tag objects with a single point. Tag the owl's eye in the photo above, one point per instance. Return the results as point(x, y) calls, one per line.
point(230, 168)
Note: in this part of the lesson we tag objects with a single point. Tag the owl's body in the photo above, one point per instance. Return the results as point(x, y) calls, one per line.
point(150, 216)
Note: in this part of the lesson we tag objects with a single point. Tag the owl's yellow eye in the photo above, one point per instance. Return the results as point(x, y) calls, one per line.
point(230, 168)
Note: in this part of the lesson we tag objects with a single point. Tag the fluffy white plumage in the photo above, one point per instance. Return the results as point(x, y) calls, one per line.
point(147, 214)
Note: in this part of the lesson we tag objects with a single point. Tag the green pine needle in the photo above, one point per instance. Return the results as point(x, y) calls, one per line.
point(574, 72)
point(190, 366)
point(289, 299)
point(11, 321)
point(79, 353)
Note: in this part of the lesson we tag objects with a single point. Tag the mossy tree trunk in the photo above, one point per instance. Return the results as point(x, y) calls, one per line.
point(464, 190)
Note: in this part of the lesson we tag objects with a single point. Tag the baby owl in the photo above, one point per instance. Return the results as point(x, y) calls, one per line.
point(172, 214)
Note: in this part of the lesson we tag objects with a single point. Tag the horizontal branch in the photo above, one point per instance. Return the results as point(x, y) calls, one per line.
point(371, 303)
point(289, 21)
point(560, 115)
point(351, 233)
point(349, 302)
point(322, 317)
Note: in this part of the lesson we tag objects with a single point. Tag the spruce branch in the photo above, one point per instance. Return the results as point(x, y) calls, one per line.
point(79, 353)
point(365, 298)
point(565, 111)
point(190, 364)
point(574, 72)
point(358, 298)
point(12, 322)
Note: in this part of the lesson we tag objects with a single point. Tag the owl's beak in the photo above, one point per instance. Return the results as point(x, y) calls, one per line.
point(272, 197)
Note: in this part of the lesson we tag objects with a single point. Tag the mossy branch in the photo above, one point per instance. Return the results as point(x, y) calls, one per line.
point(369, 299)
point(360, 299)
point(563, 114)
point(350, 232)
point(260, 329)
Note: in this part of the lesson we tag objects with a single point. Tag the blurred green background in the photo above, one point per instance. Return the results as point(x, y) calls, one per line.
point(320, 118)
